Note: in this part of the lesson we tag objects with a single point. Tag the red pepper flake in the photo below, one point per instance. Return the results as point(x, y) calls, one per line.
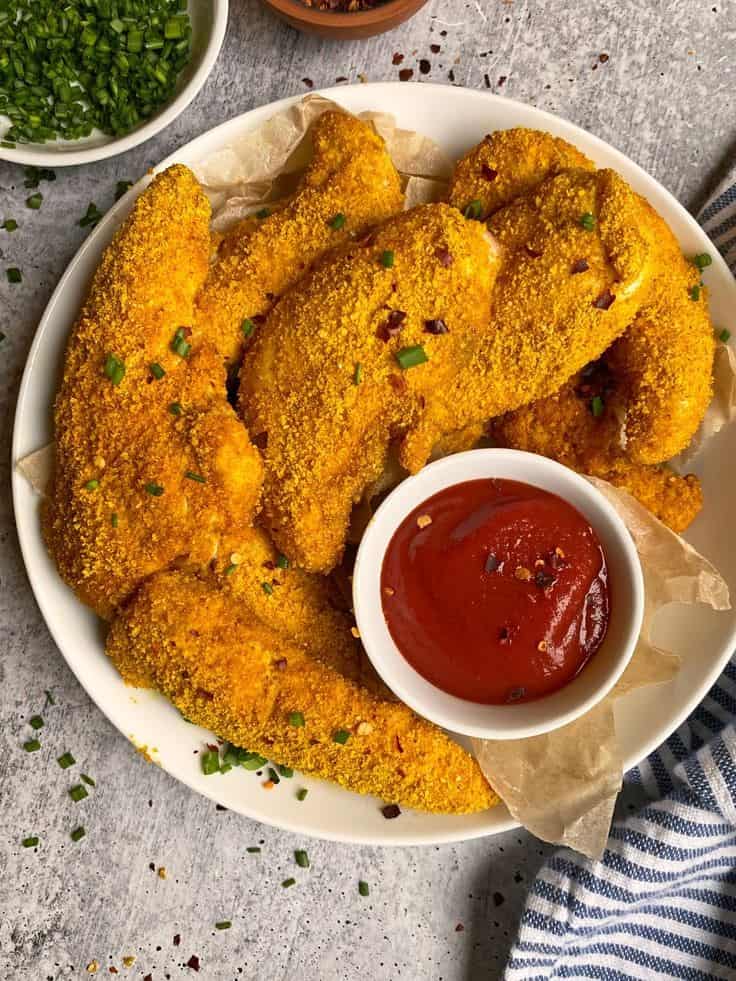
point(459, 928)
point(397, 58)
point(502, 80)
point(580, 266)
point(489, 173)
point(341, 78)
point(390, 811)
point(280, 665)
point(148, 977)
point(436, 326)
point(260, 441)
point(308, 82)
point(177, 939)
point(603, 57)
point(451, 75)
point(393, 325)
point(193, 962)
point(444, 256)
point(406, 74)
point(114, 970)
point(487, 80)
point(435, 48)
point(424, 66)
point(604, 301)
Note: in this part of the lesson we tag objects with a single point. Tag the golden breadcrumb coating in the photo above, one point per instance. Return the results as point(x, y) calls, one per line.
point(322, 390)
point(137, 486)
point(351, 177)
point(202, 650)
point(564, 427)
point(508, 164)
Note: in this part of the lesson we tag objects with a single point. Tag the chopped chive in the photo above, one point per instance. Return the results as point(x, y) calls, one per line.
point(724, 335)
point(156, 370)
point(14, 275)
point(230, 569)
point(587, 221)
point(66, 760)
point(301, 794)
point(357, 373)
point(694, 292)
point(253, 849)
point(597, 406)
point(210, 762)
point(78, 833)
point(10, 224)
point(273, 775)
point(363, 888)
point(175, 408)
point(114, 369)
point(340, 736)
point(31, 745)
point(301, 858)
point(154, 489)
point(287, 883)
point(296, 719)
point(262, 213)
point(88, 780)
point(114, 520)
point(410, 357)
point(34, 201)
point(285, 771)
point(387, 259)
point(30, 842)
point(267, 588)
point(179, 344)
point(190, 475)
point(78, 793)
point(92, 485)
point(473, 210)
point(91, 216)
point(702, 260)
point(247, 327)
point(254, 761)
point(223, 925)
point(36, 722)
point(121, 188)
point(337, 222)
point(282, 562)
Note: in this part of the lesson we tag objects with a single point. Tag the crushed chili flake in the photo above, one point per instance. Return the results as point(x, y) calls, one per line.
point(444, 256)
point(435, 48)
point(489, 173)
point(393, 325)
point(603, 57)
point(308, 82)
point(487, 80)
point(193, 962)
point(436, 326)
point(390, 811)
point(177, 939)
point(424, 66)
point(114, 970)
point(148, 977)
point(423, 521)
point(459, 928)
point(580, 266)
point(502, 80)
point(451, 75)
point(406, 74)
point(397, 58)
point(604, 301)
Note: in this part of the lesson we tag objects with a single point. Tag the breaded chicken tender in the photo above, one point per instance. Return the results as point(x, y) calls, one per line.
point(508, 164)
point(199, 647)
point(582, 431)
point(152, 464)
point(350, 186)
point(362, 351)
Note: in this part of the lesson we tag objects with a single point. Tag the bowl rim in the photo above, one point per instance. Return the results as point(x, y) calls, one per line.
point(453, 713)
point(344, 19)
point(35, 155)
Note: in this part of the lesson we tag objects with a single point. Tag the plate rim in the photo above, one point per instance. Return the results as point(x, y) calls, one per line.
point(242, 122)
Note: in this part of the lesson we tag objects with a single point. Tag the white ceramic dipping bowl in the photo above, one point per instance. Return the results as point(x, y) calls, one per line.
point(523, 719)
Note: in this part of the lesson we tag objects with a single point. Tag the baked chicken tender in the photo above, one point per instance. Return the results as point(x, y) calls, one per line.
point(564, 427)
point(149, 470)
point(322, 389)
point(242, 681)
point(350, 185)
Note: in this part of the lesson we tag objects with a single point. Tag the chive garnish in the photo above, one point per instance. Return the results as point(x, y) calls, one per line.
point(253, 849)
point(282, 562)
point(31, 745)
point(36, 722)
point(387, 259)
point(156, 370)
point(175, 408)
point(247, 327)
point(273, 775)
point(66, 760)
point(694, 292)
point(587, 221)
point(253, 761)
point(197, 477)
point(154, 489)
point(91, 216)
point(363, 888)
point(78, 833)
point(223, 925)
point(114, 369)
point(92, 485)
point(301, 794)
point(30, 842)
point(114, 520)
point(179, 343)
point(267, 588)
point(14, 275)
point(121, 188)
point(340, 736)
point(10, 224)
point(34, 201)
point(337, 222)
point(357, 373)
point(597, 406)
point(78, 793)
point(230, 569)
point(702, 260)
point(410, 357)
point(287, 883)
point(301, 858)
point(285, 771)
point(210, 762)
point(473, 210)
point(724, 335)
point(88, 780)
point(296, 719)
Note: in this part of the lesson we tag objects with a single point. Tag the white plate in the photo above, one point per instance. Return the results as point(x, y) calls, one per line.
point(456, 118)
point(209, 20)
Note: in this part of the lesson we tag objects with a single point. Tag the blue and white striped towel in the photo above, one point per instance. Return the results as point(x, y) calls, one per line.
point(661, 903)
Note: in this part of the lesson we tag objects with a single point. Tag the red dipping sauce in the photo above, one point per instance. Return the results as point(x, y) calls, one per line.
point(501, 597)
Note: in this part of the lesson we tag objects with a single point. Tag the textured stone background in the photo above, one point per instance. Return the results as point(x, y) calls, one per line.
point(665, 96)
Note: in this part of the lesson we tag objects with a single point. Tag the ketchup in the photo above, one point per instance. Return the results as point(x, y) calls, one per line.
point(496, 591)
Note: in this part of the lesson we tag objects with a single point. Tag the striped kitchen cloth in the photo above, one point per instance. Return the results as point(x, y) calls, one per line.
point(661, 903)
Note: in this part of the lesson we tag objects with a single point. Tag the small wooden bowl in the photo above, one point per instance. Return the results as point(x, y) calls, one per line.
point(346, 26)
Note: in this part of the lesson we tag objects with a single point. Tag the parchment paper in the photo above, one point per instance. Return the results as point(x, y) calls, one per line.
point(561, 786)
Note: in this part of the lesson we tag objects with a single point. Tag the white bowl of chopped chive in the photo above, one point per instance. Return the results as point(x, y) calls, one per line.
point(92, 78)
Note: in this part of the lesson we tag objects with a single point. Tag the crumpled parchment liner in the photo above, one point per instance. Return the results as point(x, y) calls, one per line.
point(561, 786)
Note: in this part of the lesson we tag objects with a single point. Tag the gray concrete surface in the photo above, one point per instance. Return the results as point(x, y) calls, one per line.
point(664, 95)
